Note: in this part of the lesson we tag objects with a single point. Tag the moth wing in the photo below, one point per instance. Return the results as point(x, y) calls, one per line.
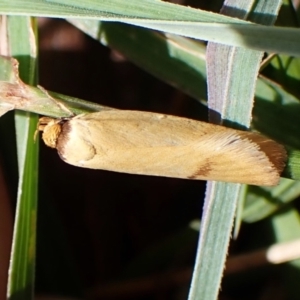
point(154, 144)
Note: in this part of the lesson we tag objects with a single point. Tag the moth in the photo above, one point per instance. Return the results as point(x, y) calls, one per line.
point(155, 144)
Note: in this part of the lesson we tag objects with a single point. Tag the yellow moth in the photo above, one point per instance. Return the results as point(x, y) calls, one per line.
point(162, 145)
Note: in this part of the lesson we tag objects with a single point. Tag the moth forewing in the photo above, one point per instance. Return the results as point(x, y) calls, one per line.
point(162, 145)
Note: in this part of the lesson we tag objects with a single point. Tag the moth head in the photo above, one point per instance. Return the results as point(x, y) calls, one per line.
point(51, 129)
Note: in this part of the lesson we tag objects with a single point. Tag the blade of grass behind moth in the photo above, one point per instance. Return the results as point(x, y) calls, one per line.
point(21, 34)
point(182, 20)
point(232, 74)
point(166, 17)
point(261, 202)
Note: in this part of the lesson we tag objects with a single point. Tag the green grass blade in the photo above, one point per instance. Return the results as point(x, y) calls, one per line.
point(22, 266)
point(167, 17)
point(261, 202)
point(227, 84)
point(216, 226)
